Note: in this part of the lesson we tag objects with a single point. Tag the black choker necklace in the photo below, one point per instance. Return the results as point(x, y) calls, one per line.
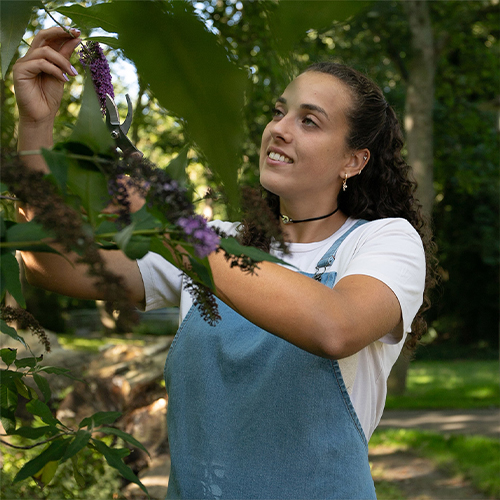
point(289, 220)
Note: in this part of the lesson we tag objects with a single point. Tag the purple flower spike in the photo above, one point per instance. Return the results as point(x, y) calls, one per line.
point(204, 238)
point(92, 57)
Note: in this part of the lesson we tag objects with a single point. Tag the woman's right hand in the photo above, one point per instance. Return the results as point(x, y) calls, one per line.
point(39, 76)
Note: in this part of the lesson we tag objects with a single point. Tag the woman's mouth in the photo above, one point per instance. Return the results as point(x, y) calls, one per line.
point(279, 157)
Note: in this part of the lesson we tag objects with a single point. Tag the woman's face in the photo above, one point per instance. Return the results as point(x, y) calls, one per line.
point(303, 151)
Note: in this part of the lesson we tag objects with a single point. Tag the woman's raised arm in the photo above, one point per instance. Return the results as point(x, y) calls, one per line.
point(39, 79)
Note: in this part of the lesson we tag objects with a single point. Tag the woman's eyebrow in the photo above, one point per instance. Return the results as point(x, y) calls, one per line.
point(312, 107)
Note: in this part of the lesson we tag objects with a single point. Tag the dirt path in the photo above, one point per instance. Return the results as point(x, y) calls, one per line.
point(417, 478)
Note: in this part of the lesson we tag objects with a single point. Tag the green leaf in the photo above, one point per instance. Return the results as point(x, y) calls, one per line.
point(43, 385)
point(138, 247)
point(133, 246)
point(39, 408)
point(8, 396)
point(22, 388)
point(27, 231)
point(8, 420)
point(123, 237)
point(202, 271)
point(15, 18)
point(58, 164)
point(126, 437)
point(158, 247)
point(10, 277)
point(11, 332)
point(59, 371)
point(8, 401)
point(8, 355)
point(28, 236)
point(36, 432)
point(292, 19)
point(26, 362)
point(231, 246)
point(100, 418)
point(114, 459)
point(47, 473)
point(177, 167)
point(90, 128)
point(80, 480)
point(194, 79)
point(88, 18)
point(79, 442)
point(143, 219)
point(91, 187)
point(53, 453)
point(106, 40)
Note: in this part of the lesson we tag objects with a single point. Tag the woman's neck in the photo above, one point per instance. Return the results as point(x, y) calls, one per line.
point(310, 231)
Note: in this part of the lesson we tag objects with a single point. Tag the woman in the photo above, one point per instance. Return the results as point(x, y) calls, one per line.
point(279, 399)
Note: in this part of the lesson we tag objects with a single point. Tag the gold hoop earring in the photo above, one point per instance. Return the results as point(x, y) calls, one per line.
point(344, 183)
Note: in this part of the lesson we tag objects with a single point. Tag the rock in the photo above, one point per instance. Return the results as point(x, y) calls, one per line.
point(154, 478)
point(149, 426)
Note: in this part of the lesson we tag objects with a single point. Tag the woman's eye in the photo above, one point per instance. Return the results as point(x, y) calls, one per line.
point(309, 122)
point(277, 113)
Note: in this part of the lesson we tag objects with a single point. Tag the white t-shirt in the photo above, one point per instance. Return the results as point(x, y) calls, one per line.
point(387, 249)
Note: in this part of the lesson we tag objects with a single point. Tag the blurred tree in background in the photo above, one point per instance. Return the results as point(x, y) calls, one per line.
point(377, 41)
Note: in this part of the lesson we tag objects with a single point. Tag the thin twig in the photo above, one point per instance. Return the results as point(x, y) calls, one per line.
point(64, 28)
point(6, 443)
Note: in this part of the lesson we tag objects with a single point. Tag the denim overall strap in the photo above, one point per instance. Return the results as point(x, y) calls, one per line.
point(328, 259)
point(251, 416)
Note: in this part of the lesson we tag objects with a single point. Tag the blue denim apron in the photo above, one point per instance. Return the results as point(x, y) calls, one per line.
point(252, 416)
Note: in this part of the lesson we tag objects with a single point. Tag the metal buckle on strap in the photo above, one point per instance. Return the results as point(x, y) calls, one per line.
point(319, 273)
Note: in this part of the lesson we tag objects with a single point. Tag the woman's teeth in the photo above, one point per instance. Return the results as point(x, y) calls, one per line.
point(278, 157)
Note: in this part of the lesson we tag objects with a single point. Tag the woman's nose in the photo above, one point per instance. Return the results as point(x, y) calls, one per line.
point(281, 129)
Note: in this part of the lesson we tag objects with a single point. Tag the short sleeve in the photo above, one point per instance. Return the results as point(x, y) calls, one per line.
point(391, 251)
point(162, 281)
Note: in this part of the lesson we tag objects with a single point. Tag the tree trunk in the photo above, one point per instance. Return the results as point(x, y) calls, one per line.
point(419, 130)
point(420, 100)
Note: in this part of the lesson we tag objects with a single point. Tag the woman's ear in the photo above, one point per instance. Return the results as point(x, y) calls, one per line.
point(356, 163)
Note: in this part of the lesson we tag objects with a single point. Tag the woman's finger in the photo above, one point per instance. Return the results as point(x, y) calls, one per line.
point(50, 55)
point(56, 38)
point(34, 67)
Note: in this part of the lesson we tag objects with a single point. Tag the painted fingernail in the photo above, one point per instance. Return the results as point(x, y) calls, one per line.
point(73, 71)
point(65, 76)
point(75, 31)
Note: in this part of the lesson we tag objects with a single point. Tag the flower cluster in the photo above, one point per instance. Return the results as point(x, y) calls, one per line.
point(204, 300)
point(92, 57)
point(260, 225)
point(117, 189)
point(27, 321)
point(204, 239)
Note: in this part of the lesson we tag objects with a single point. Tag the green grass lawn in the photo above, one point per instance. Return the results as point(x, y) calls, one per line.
point(476, 458)
point(450, 384)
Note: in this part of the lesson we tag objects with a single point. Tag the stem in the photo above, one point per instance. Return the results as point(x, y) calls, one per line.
point(64, 28)
point(57, 22)
point(14, 244)
point(6, 443)
point(95, 159)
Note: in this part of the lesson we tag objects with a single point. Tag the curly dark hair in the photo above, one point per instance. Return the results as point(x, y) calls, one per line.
point(386, 187)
